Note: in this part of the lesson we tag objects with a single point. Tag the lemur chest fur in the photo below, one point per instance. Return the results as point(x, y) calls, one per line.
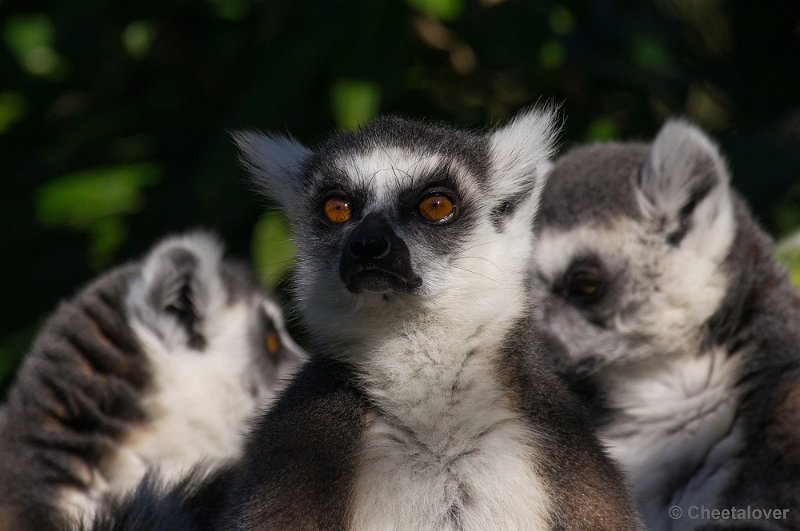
point(445, 447)
point(675, 432)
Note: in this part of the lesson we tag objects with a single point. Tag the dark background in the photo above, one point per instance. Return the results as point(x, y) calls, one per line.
point(114, 116)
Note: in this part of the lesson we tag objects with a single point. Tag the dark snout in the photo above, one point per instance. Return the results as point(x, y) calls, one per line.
point(374, 258)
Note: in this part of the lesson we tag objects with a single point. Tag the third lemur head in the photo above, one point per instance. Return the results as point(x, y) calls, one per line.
point(633, 241)
point(403, 218)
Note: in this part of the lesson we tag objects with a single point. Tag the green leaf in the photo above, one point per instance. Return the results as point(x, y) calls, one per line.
point(12, 108)
point(138, 38)
point(354, 102)
point(272, 248)
point(79, 199)
point(30, 38)
point(788, 252)
point(439, 9)
point(600, 129)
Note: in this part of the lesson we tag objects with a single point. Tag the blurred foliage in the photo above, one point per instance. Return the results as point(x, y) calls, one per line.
point(114, 117)
point(788, 251)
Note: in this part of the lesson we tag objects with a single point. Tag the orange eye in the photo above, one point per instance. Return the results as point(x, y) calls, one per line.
point(273, 343)
point(436, 207)
point(337, 210)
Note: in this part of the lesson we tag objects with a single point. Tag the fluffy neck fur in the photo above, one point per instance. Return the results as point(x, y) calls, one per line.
point(446, 428)
point(681, 424)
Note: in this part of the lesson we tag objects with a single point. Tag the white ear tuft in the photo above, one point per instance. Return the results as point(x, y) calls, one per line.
point(683, 167)
point(521, 151)
point(179, 286)
point(684, 182)
point(274, 162)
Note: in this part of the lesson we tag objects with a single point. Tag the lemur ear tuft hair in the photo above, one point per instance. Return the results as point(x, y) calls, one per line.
point(179, 285)
point(683, 169)
point(520, 152)
point(274, 162)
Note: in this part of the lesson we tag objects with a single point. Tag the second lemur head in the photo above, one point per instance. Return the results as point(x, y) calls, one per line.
point(403, 219)
point(631, 258)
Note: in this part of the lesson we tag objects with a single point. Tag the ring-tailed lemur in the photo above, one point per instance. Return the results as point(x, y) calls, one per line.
point(158, 363)
point(426, 404)
point(679, 325)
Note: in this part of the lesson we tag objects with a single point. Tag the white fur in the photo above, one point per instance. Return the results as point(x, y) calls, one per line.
point(199, 403)
point(442, 420)
point(445, 428)
point(673, 406)
point(412, 354)
point(521, 151)
point(668, 293)
point(675, 414)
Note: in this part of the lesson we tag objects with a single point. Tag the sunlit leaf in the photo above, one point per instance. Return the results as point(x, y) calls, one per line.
point(354, 102)
point(30, 38)
point(12, 108)
point(82, 198)
point(788, 252)
point(601, 128)
point(138, 38)
point(272, 248)
point(786, 216)
point(441, 9)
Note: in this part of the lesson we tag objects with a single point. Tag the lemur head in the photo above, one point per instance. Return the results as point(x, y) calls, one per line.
point(190, 303)
point(404, 218)
point(633, 239)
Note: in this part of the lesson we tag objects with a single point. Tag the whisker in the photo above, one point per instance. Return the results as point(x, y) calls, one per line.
point(485, 260)
point(479, 274)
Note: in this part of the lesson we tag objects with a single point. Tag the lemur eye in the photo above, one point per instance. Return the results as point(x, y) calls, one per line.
point(337, 210)
point(273, 342)
point(437, 208)
point(585, 284)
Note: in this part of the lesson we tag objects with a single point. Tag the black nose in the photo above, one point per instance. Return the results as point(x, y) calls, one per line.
point(369, 245)
point(374, 258)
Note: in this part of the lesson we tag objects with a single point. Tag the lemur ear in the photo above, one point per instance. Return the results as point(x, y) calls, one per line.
point(684, 181)
point(520, 154)
point(274, 162)
point(179, 288)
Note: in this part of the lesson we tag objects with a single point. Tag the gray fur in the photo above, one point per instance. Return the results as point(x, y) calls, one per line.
point(386, 358)
point(87, 384)
point(633, 211)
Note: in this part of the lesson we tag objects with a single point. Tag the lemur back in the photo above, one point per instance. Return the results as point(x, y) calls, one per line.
point(156, 365)
point(679, 327)
point(426, 403)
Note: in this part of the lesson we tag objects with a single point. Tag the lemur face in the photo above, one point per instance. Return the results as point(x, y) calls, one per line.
point(404, 216)
point(631, 247)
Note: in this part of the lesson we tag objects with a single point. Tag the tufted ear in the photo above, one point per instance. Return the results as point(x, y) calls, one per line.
point(179, 288)
point(520, 154)
point(274, 162)
point(684, 181)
